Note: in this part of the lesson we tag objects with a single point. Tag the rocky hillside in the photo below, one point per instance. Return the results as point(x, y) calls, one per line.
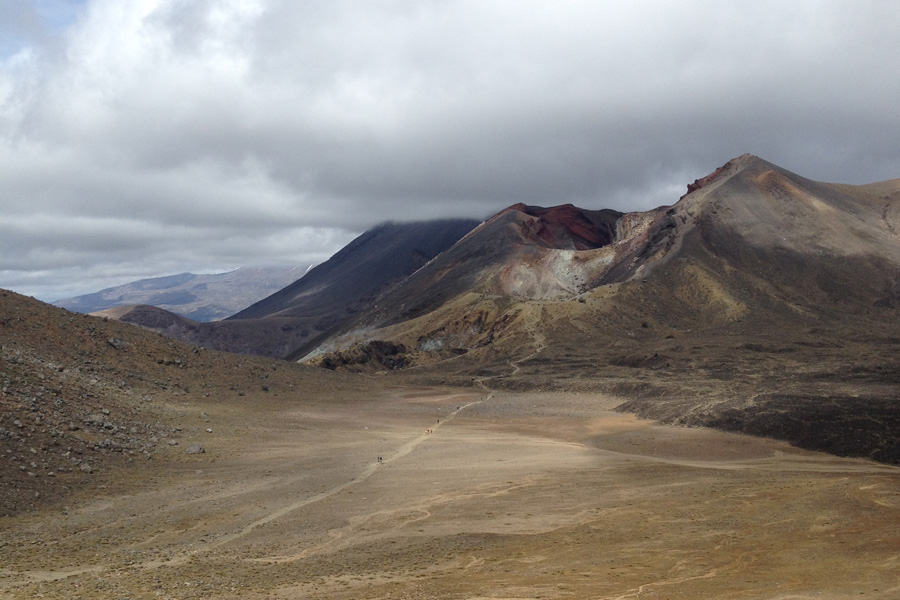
point(750, 247)
point(83, 396)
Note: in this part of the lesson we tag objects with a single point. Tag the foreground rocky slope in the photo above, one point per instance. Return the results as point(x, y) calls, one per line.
point(83, 398)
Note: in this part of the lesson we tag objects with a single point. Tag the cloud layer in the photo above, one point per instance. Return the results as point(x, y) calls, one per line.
point(156, 136)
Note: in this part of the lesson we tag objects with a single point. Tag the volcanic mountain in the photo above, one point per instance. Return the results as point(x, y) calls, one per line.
point(748, 243)
point(759, 294)
point(496, 249)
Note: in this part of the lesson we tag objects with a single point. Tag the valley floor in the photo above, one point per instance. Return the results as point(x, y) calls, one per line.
point(476, 494)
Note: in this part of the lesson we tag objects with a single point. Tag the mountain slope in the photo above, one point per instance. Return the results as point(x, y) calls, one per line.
point(87, 402)
point(749, 238)
point(366, 267)
point(497, 258)
point(198, 297)
point(330, 295)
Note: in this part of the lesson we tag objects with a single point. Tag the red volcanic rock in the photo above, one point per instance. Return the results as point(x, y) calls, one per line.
point(567, 226)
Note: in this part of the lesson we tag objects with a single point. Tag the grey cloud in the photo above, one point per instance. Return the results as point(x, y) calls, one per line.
point(58, 258)
point(258, 121)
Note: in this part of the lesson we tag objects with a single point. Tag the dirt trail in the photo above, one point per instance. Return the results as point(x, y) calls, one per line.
point(370, 471)
point(402, 451)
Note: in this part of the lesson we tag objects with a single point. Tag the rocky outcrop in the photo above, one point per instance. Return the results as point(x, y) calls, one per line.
point(374, 355)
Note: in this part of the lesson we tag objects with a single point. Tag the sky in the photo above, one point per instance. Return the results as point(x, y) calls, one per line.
point(141, 138)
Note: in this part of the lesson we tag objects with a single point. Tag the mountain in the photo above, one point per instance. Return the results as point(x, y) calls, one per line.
point(750, 241)
point(198, 297)
point(326, 298)
point(357, 274)
point(495, 259)
point(761, 302)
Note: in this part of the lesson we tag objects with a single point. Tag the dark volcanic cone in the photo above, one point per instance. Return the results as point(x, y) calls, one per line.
point(326, 298)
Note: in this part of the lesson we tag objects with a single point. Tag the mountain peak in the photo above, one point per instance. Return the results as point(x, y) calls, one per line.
point(732, 167)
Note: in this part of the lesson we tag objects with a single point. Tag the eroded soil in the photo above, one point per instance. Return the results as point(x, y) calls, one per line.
point(477, 494)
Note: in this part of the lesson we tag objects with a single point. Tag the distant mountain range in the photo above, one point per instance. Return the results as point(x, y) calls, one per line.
point(198, 297)
point(760, 302)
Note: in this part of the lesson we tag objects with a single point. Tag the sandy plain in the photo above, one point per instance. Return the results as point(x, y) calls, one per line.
point(477, 494)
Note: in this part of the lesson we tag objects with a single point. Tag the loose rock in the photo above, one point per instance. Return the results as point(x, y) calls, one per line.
point(195, 449)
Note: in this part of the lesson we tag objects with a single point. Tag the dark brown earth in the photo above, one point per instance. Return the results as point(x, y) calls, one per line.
point(320, 484)
point(85, 397)
point(568, 226)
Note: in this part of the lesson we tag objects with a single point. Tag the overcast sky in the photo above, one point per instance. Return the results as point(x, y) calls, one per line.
point(150, 137)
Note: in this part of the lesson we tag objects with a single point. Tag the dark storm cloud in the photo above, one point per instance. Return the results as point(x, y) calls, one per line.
point(192, 134)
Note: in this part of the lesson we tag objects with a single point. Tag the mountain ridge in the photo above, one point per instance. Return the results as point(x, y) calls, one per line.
point(200, 297)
